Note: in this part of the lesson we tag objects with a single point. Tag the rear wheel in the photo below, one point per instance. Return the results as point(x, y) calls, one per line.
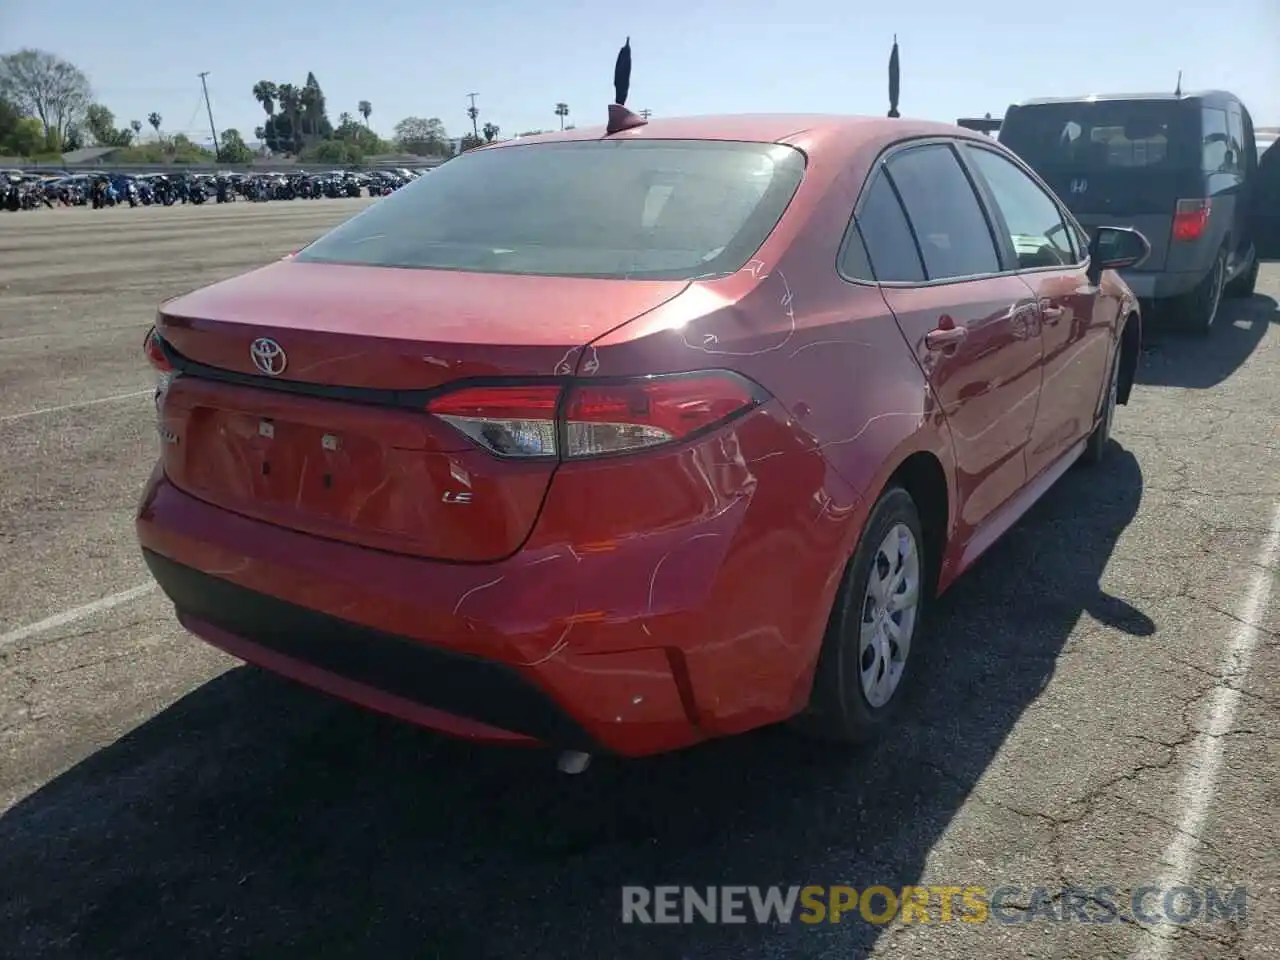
point(872, 637)
point(1198, 309)
point(1244, 285)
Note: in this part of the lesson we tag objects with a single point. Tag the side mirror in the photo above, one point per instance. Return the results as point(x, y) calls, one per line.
point(1116, 248)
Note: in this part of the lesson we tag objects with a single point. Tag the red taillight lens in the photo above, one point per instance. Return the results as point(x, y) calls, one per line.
point(1190, 218)
point(510, 421)
point(596, 419)
point(617, 418)
point(155, 352)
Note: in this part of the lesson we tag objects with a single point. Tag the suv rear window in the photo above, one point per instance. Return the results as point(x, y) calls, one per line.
point(1097, 136)
point(644, 209)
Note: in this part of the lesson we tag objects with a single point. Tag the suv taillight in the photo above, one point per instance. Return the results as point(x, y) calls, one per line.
point(1190, 217)
point(590, 418)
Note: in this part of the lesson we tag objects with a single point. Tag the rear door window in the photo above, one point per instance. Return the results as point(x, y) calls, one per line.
point(946, 217)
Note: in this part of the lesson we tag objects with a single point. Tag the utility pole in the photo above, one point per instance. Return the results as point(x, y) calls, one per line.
point(474, 114)
point(217, 150)
point(646, 113)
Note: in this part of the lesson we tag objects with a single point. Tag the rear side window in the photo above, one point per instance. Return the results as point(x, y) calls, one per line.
point(1101, 135)
point(946, 218)
point(889, 244)
point(643, 209)
point(1216, 155)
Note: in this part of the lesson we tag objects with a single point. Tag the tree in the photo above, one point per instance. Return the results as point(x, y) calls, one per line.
point(101, 124)
point(154, 119)
point(234, 149)
point(337, 152)
point(364, 108)
point(288, 139)
point(265, 92)
point(136, 127)
point(315, 119)
point(425, 138)
point(490, 131)
point(562, 111)
point(43, 85)
point(469, 142)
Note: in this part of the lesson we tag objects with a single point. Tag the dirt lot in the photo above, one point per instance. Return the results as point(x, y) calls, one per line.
point(1102, 708)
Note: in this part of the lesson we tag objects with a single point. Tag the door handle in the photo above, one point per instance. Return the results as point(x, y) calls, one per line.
point(944, 337)
point(1051, 313)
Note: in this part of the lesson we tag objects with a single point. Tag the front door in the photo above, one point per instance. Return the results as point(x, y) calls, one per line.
point(1078, 331)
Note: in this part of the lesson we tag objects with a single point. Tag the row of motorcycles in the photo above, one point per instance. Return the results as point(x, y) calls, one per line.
point(29, 192)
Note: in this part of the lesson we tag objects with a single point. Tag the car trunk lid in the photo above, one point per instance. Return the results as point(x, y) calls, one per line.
point(331, 437)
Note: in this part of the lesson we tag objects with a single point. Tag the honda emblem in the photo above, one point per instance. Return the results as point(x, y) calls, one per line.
point(1079, 186)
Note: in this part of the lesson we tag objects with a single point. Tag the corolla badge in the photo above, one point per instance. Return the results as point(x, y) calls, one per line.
point(268, 356)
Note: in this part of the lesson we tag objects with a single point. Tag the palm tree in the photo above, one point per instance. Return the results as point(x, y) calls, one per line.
point(344, 118)
point(136, 127)
point(364, 108)
point(266, 93)
point(490, 131)
point(154, 120)
point(562, 111)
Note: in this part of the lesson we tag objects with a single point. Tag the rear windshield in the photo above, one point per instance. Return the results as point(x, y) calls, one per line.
point(656, 209)
point(1099, 136)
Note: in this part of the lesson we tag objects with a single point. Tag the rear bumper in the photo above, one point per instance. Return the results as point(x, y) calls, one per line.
point(338, 618)
point(468, 696)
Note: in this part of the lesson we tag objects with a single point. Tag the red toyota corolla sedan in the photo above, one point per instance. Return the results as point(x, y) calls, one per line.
point(620, 442)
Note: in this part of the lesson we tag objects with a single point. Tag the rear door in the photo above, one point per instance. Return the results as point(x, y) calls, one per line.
point(1114, 162)
point(973, 328)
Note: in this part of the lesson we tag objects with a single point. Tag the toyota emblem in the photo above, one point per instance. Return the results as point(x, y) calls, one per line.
point(268, 356)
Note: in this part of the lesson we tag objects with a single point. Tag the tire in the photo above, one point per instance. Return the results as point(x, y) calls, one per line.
point(1198, 309)
point(1242, 287)
point(1099, 444)
point(851, 704)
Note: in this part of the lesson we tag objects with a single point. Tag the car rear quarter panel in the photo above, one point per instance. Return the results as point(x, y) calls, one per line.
point(851, 405)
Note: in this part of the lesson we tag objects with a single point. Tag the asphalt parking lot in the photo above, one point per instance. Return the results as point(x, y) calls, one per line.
point(1101, 709)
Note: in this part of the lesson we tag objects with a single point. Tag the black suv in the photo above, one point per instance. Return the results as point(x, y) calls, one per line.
point(1180, 168)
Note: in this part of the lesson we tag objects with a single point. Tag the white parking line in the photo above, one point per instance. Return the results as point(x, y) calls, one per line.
point(73, 615)
point(1198, 784)
point(8, 418)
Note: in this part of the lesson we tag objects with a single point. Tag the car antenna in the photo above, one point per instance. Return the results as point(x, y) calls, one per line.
point(620, 118)
point(894, 80)
point(1177, 91)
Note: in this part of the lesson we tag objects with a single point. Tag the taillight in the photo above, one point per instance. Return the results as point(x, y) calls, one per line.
point(154, 350)
point(1190, 217)
point(590, 418)
point(510, 421)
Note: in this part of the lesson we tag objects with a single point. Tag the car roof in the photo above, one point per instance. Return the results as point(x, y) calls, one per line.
point(760, 128)
point(1195, 95)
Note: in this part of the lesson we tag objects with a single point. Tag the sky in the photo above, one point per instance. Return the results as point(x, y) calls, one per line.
point(418, 58)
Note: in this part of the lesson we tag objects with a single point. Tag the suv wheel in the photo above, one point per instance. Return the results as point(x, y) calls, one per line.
point(1199, 308)
point(1244, 285)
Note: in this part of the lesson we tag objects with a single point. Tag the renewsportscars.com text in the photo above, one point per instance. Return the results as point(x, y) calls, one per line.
point(815, 904)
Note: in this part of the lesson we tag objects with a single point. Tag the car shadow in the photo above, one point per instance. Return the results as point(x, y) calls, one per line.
point(1173, 360)
point(253, 818)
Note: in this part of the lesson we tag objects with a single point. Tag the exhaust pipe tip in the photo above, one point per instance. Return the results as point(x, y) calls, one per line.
point(573, 762)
